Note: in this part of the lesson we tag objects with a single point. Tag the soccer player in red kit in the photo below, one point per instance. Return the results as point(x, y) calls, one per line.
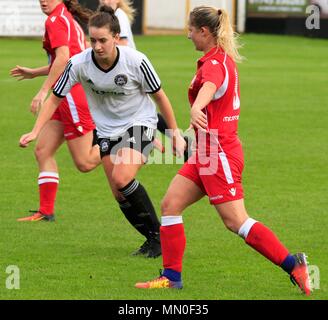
point(216, 168)
point(72, 121)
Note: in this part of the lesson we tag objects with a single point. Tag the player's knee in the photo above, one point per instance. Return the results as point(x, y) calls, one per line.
point(169, 207)
point(84, 167)
point(120, 180)
point(231, 225)
point(41, 153)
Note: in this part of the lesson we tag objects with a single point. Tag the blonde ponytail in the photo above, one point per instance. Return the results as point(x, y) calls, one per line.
point(227, 39)
point(127, 7)
point(218, 23)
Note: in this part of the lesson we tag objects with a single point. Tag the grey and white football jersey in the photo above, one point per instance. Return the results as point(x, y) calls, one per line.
point(118, 98)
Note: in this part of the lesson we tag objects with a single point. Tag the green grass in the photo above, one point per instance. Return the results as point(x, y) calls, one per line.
point(85, 254)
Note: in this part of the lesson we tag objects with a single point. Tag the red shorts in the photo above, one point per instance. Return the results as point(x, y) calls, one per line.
point(218, 176)
point(74, 113)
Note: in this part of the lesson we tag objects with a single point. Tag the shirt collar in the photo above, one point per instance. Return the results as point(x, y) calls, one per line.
point(58, 8)
point(209, 55)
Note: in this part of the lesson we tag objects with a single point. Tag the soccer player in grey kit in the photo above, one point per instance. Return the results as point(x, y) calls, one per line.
point(118, 82)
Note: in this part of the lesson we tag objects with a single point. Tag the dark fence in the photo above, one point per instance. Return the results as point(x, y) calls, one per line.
point(291, 26)
point(303, 17)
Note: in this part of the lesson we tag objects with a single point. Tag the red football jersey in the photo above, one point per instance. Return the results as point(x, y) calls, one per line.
point(62, 30)
point(73, 111)
point(223, 111)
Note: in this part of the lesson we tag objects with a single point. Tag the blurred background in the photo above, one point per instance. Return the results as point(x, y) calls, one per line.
point(295, 17)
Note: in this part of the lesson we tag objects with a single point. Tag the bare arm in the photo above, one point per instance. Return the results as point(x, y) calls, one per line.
point(204, 97)
point(45, 115)
point(57, 68)
point(23, 73)
point(166, 109)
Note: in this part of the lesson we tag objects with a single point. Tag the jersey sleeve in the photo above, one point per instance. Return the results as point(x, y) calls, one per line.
point(58, 32)
point(150, 81)
point(213, 71)
point(66, 81)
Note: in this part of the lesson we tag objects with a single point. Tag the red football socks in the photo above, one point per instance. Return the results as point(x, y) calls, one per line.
point(48, 186)
point(263, 240)
point(173, 242)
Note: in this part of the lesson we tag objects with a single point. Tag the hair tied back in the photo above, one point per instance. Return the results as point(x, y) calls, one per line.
point(106, 9)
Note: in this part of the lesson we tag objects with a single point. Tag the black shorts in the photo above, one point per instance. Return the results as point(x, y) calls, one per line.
point(139, 138)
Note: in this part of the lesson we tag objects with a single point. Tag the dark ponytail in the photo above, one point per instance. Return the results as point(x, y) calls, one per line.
point(80, 13)
point(105, 17)
point(107, 9)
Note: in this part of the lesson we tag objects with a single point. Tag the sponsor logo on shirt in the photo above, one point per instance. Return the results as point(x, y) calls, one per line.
point(231, 118)
point(101, 92)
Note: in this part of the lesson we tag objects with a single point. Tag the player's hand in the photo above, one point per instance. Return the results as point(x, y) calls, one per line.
point(179, 144)
point(158, 145)
point(198, 119)
point(22, 73)
point(26, 139)
point(38, 101)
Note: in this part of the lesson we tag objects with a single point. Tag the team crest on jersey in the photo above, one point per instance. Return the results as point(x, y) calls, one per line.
point(121, 80)
point(104, 145)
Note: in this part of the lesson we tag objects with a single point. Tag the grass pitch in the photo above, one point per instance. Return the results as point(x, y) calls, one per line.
point(85, 254)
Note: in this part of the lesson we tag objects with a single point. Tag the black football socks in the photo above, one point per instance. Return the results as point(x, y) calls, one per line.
point(142, 208)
